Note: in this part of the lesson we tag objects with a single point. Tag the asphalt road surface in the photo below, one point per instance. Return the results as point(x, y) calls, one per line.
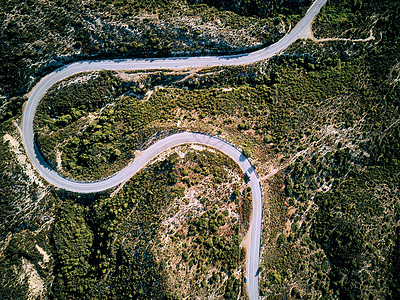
point(253, 258)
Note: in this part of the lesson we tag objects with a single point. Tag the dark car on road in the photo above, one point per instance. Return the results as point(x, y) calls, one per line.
point(246, 176)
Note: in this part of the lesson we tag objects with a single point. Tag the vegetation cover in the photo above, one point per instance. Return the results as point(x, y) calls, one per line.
point(328, 121)
point(38, 37)
point(114, 247)
point(259, 7)
point(321, 124)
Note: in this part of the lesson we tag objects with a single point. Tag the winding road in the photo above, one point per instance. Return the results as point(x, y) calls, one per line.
point(49, 174)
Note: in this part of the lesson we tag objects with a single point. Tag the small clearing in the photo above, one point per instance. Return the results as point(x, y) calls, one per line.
point(35, 282)
point(46, 257)
point(23, 161)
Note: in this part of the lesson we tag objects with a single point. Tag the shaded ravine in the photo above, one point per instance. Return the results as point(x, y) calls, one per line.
point(50, 175)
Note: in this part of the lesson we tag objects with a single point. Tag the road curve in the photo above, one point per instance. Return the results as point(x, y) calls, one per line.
point(57, 180)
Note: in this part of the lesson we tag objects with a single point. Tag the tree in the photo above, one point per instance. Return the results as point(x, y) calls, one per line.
point(116, 153)
point(246, 152)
